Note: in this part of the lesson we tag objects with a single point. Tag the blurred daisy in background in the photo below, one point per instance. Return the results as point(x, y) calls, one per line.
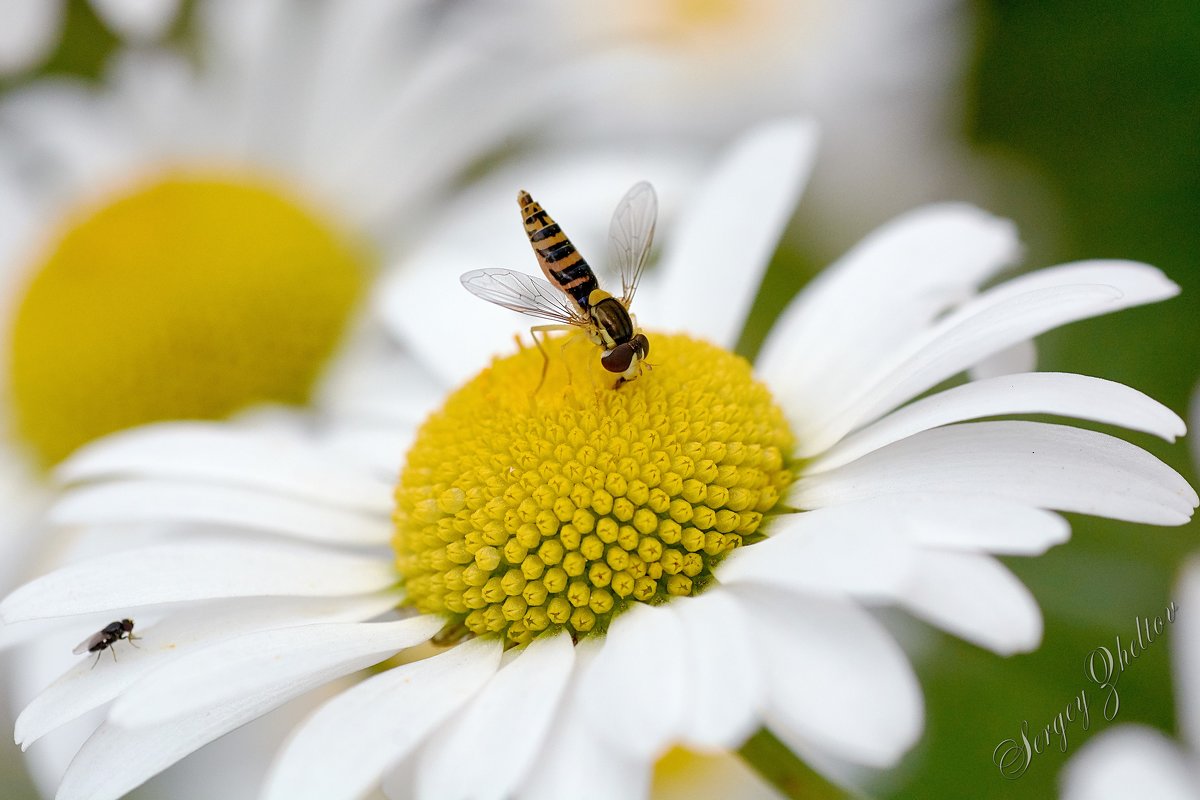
point(184, 241)
point(194, 233)
point(32, 28)
point(611, 572)
point(883, 79)
point(1136, 760)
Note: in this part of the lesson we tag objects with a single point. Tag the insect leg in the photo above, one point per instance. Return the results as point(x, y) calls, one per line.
point(130, 639)
point(533, 332)
point(591, 373)
point(97, 661)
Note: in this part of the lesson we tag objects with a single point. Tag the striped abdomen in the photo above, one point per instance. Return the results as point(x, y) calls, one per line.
point(561, 263)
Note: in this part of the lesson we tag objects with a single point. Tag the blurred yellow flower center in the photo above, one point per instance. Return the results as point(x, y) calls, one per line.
point(698, 23)
point(705, 12)
point(189, 297)
point(519, 513)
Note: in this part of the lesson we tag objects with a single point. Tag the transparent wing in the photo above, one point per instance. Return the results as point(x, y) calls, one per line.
point(521, 292)
point(630, 235)
point(87, 644)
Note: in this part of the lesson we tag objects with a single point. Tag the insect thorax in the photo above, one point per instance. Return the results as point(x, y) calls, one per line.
point(611, 318)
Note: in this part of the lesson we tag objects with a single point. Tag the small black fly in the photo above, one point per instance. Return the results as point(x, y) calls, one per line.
point(106, 638)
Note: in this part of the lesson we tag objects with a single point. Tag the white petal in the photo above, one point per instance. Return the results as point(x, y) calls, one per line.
point(1055, 393)
point(975, 598)
point(69, 125)
point(344, 748)
point(29, 32)
point(1185, 652)
point(375, 382)
point(487, 748)
point(962, 522)
point(459, 341)
point(493, 98)
point(1021, 357)
point(352, 66)
point(233, 766)
point(24, 496)
point(113, 761)
point(127, 502)
point(224, 454)
point(195, 571)
point(722, 246)
point(378, 449)
point(1002, 316)
point(243, 65)
point(85, 687)
point(265, 665)
point(631, 693)
point(1130, 761)
point(576, 761)
point(835, 676)
point(582, 767)
point(853, 549)
point(724, 679)
point(155, 93)
point(145, 751)
point(138, 19)
point(885, 290)
point(1049, 466)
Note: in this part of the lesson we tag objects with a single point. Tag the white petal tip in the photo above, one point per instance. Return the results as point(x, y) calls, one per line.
point(1017, 647)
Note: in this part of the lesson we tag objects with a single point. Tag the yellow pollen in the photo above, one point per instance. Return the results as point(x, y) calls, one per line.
point(192, 296)
point(520, 513)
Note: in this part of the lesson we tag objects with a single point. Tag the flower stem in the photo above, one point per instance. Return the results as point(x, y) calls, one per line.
point(790, 776)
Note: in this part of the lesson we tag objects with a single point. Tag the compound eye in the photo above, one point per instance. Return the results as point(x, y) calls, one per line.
point(619, 358)
point(642, 342)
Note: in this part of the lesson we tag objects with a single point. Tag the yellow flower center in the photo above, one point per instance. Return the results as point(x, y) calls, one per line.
point(522, 512)
point(188, 297)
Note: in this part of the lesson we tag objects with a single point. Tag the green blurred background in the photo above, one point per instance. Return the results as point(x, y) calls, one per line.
point(1099, 99)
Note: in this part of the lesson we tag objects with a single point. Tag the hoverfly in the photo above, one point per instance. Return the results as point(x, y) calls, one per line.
point(571, 296)
point(105, 638)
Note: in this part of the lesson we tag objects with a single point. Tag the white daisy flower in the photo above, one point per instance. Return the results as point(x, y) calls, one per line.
point(32, 28)
point(606, 573)
point(190, 238)
point(310, 134)
point(1139, 761)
